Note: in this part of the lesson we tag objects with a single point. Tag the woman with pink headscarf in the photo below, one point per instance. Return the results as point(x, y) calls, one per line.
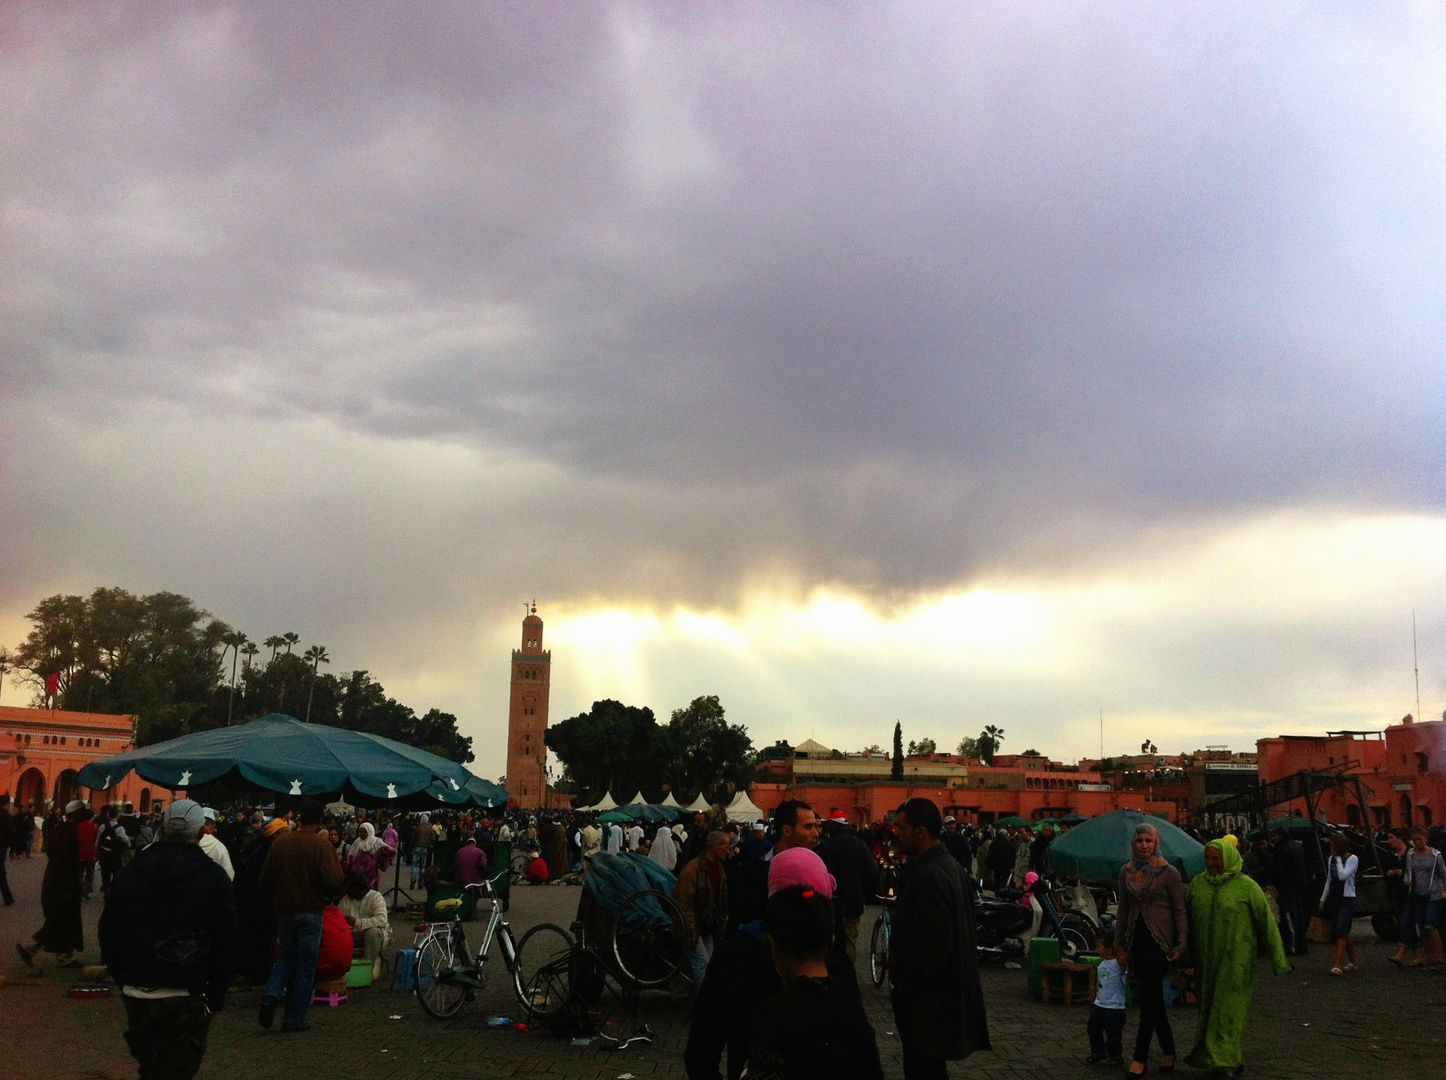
point(369, 855)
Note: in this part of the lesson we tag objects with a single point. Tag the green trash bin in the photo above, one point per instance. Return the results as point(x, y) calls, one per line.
point(1042, 950)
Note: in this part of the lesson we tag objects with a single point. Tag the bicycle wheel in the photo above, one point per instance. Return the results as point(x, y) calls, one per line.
point(543, 972)
point(650, 940)
point(879, 948)
point(439, 993)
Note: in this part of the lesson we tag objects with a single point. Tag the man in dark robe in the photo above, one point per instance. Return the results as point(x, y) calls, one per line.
point(60, 895)
point(933, 963)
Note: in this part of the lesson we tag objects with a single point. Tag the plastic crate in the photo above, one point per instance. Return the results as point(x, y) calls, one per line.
point(1042, 950)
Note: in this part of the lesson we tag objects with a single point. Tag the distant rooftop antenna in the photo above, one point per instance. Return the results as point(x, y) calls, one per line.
point(1415, 662)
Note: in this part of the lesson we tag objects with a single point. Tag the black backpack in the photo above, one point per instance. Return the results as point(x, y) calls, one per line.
point(108, 841)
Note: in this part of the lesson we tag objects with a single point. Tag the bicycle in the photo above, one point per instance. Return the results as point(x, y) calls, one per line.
point(448, 975)
point(884, 924)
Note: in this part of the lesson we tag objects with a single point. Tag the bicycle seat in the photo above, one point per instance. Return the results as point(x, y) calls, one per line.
point(446, 907)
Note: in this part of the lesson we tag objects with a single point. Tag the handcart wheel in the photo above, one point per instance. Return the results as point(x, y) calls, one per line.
point(543, 975)
point(650, 940)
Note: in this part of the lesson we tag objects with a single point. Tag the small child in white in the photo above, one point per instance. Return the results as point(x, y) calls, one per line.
point(1107, 1014)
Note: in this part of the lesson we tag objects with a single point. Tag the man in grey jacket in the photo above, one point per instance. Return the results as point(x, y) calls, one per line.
point(933, 963)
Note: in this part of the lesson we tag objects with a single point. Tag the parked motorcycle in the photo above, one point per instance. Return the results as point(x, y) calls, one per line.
point(1004, 926)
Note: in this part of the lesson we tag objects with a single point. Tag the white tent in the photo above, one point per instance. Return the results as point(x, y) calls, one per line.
point(637, 800)
point(742, 808)
point(672, 802)
point(605, 803)
point(700, 804)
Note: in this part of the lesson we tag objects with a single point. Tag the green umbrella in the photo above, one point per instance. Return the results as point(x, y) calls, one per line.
point(1011, 822)
point(1096, 850)
point(654, 815)
point(1038, 825)
point(280, 753)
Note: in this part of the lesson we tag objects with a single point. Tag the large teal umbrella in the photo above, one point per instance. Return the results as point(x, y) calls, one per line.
point(281, 754)
point(653, 815)
point(1097, 849)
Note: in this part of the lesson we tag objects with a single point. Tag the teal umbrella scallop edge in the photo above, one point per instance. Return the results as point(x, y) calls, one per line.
point(1098, 849)
point(281, 754)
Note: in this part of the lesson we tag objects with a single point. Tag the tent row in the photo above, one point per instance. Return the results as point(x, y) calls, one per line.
point(740, 809)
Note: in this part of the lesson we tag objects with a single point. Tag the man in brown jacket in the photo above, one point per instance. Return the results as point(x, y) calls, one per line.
point(702, 894)
point(302, 873)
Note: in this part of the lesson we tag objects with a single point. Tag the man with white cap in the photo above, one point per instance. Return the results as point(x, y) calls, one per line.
point(212, 846)
point(168, 935)
point(60, 895)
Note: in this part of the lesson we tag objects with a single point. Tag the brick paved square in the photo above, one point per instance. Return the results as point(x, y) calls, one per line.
point(1380, 1023)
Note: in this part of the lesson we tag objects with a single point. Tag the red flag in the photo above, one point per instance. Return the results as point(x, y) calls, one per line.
point(52, 683)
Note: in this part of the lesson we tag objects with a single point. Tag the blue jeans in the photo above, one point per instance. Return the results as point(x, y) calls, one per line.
point(1418, 914)
point(294, 973)
point(419, 863)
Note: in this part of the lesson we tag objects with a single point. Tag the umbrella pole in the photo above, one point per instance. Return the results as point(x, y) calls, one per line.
point(396, 890)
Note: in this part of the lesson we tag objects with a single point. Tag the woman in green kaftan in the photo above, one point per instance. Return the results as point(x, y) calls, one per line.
point(1228, 917)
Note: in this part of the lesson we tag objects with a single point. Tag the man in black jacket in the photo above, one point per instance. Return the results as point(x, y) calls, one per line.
point(168, 934)
point(1289, 875)
point(857, 875)
point(933, 964)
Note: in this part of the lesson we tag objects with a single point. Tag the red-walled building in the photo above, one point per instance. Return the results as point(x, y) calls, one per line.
point(1402, 771)
point(1029, 786)
point(42, 750)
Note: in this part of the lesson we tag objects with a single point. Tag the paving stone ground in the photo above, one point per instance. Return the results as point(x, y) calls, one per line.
point(1378, 1023)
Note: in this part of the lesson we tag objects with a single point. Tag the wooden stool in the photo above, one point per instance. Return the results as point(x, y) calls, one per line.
point(1068, 982)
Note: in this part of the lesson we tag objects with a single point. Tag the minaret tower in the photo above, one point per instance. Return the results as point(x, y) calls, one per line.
point(527, 717)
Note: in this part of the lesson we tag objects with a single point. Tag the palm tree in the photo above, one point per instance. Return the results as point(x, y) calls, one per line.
point(233, 641)
point(274, 643)
point(317, 656)
point(290, 639)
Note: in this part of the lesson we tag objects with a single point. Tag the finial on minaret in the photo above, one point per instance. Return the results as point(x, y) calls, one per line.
point(534, 606)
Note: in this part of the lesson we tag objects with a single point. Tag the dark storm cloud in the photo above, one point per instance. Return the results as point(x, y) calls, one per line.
point(879, 294)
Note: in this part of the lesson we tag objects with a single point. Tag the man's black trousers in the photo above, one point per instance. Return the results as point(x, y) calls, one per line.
point(167, 1036)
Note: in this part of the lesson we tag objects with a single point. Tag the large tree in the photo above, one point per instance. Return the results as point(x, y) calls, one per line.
point(157, 657)
point(699, 751)
point(611, 747)
point(163, 659)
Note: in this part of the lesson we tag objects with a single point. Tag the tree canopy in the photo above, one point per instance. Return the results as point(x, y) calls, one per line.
point(623, 749)
point(178, 669)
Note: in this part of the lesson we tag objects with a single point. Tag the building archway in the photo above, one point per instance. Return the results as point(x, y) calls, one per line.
point(66, 787)
point(145, 800)
point(30, 792)
point(1407, 818)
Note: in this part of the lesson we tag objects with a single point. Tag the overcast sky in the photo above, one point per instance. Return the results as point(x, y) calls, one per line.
point(954, 364)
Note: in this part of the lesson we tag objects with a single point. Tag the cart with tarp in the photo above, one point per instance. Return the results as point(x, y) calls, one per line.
point(629, 937)
point(1256, 810)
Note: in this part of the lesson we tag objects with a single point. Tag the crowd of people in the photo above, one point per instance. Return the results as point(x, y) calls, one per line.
point(198, 903)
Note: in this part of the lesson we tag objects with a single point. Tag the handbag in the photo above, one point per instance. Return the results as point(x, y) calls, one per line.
point(1319, 930)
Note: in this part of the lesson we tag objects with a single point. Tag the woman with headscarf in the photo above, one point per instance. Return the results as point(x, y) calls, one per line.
point(1229, 919)
point(1150, 934)
point(664, 852)
point(369, 855)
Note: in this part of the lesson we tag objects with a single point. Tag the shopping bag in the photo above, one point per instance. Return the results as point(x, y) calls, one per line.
point(1319, 930)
